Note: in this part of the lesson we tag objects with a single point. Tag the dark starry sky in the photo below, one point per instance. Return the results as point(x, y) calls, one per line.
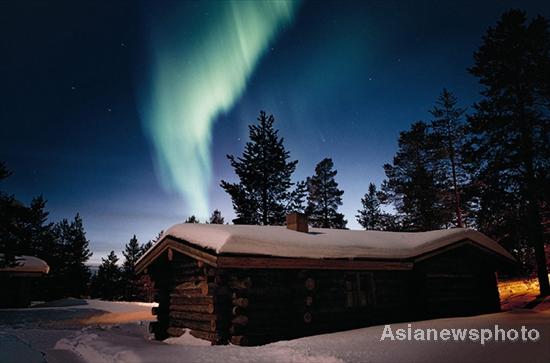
point(342, 80)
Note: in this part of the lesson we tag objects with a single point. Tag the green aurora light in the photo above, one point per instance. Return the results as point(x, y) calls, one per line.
point(196, 78)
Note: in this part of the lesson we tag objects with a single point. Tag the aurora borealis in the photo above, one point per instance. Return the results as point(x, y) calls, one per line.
point(124, 111)
point(193, 82)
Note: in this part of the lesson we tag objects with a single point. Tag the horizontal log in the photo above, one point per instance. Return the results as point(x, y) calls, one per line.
point(180, 279)
point(207, 308)
point(242, 284)
point(190, 285)
point(308, 263)
point(193, 300)
point(240, 302)
point(213, 337)
point(240, 320)
point(258, 294)
point(193, 316)
point(193, 324)
point(210, 271)
point(190, 293)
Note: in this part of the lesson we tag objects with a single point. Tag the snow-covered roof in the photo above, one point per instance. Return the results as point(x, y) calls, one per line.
point(319, 243)
point(28, 264)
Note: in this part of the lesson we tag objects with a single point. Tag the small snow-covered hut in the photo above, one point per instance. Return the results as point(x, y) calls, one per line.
point(251, 285)
point(16, 280)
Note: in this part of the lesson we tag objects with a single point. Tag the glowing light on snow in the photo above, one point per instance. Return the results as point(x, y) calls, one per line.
point(200, 69)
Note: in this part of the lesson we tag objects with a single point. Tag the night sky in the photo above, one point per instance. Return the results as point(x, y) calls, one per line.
point(104, 104)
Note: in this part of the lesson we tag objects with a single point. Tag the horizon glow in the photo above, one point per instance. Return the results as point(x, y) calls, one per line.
point(199, 70)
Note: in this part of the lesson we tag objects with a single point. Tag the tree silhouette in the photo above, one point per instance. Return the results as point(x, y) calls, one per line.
point(448, 130)
point(510, 143)
point(216, 217)
point(261, 196)
point(107, 284)
point(324, 197)
point(411, 183)
point(371, 216)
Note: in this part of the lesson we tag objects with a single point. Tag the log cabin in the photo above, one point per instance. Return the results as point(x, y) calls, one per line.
point(251, 285)
point(16, 281)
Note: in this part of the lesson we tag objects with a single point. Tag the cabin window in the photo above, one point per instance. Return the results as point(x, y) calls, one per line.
point(357, 287)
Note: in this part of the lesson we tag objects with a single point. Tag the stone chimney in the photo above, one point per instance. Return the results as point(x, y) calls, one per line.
point(297, 222)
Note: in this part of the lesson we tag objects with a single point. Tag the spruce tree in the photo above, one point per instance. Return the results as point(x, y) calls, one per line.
point(261, 196)
point(448, 132)
point(108, 281)
point(509, 132)
point(12, 220)
point(151, 243)
point(298, 198)
point(411, 183)
point(191, 219)
point(216, 217)
point(371, 216)
point(72, 271)
point(324, 197)
point(132, 252)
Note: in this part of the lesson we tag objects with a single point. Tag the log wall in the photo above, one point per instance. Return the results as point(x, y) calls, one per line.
point(190, 298)
point(460, 282)
point(258, 306)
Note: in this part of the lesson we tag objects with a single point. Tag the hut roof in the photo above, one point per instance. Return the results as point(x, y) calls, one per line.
point(28, 264)
point(320, 243)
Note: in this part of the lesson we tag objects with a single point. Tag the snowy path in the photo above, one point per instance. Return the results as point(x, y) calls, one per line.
point(72, 334)
point(30, 335)
point(127, 344)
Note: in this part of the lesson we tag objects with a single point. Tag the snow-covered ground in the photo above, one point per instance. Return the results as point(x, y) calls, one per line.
point(117, 332)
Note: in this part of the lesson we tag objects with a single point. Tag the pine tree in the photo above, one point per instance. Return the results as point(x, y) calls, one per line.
point(298, 198)
point(107, 283)
point(411, 183)
point(12, 217)
point(509, 132)
point(448, 131)
point(151, 243)
point(191, 219)
point(72, 272)
point(216, 217)
point(41, 239)
point(324, 197)
point(264, 171)
point(4, 171)
point(371, 216)
point(132, 252)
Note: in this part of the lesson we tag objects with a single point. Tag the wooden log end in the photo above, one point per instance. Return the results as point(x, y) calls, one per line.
point(310, 284)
